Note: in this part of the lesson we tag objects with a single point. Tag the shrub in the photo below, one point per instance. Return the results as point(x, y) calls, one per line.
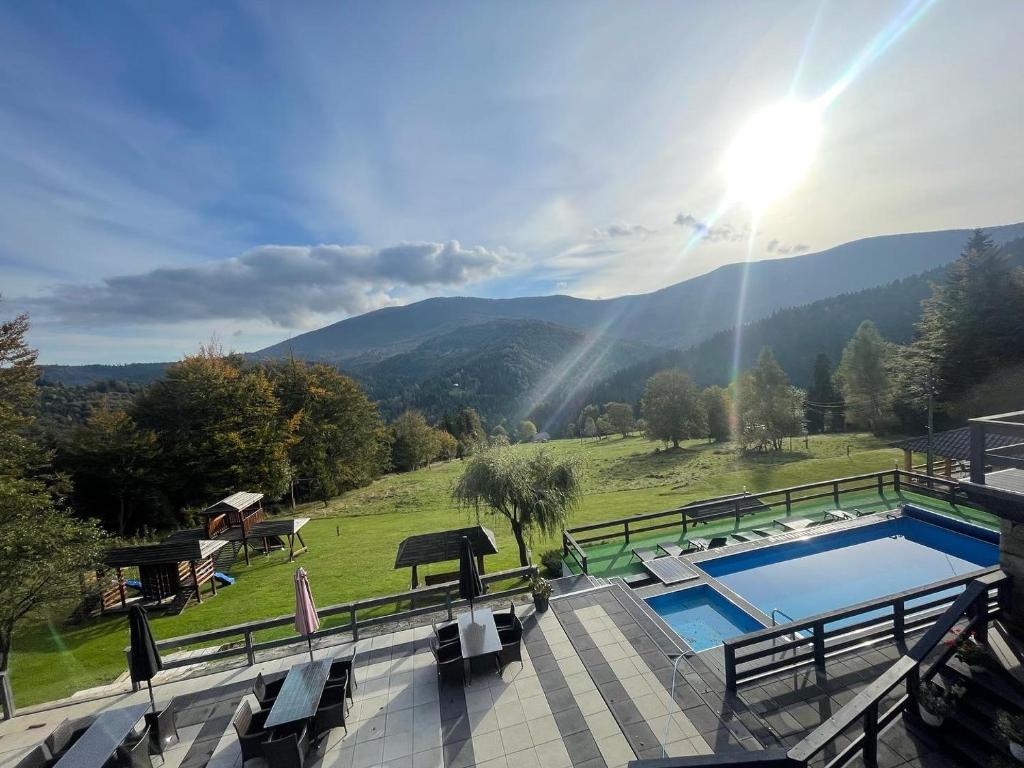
point(552, 563)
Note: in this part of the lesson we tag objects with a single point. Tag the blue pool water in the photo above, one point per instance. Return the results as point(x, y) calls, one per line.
point(702, 617)
point(823, 573)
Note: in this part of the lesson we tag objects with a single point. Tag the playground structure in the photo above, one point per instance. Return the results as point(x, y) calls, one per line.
point(177, 568)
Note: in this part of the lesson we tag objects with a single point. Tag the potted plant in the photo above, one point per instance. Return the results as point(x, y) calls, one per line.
point(972, 653)
point(541, 593)
point(934, 703)
point(1011, 728)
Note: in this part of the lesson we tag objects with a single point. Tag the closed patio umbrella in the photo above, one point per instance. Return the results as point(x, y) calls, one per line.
point(306, 619)
point(143, 656)
point(470, 585)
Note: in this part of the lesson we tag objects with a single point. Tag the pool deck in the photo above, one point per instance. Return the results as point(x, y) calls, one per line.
point(615, 558)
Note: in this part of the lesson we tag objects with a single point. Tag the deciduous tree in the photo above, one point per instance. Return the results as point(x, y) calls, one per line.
point(717, 406)
point(864, 378)
point(414, 442)
point(527, 429)
point(621, 417)
point(671, 408)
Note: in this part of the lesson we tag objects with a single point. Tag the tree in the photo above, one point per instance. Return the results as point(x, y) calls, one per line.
point(111, 459)
point(620, 415)
point(974, 321)
point(671, 407)
point(468, 429)
point(591, 412)
point(414, 442)
point(864, 379)
point(218, 427)
point(44, 548)
point(604, 426)
point(768, 408)
point(824, 402)
point(499, 433)
point(526, 431)
point(589, 428)
point(715, 402)
point(447, 445)
point(532, 492)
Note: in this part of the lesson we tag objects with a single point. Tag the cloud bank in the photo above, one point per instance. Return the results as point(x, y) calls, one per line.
point(285, 285)
point(717, 233)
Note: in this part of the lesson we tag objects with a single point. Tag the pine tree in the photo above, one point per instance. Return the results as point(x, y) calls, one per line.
point(865, 379)
point(824, 402)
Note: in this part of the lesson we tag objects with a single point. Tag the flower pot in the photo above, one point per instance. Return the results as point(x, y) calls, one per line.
point(1017, 750)
point(541, 603)
point(930, 718)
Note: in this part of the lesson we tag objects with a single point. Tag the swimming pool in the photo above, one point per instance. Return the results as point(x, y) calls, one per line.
point(702, 617)
point(822, 573)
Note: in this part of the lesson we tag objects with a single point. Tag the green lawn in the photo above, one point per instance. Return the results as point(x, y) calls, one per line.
point(354, 538)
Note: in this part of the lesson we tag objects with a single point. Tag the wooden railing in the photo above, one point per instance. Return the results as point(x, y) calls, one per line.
point(240, 638)
point(813, 641)
point(1009, 425)
point(830, 740)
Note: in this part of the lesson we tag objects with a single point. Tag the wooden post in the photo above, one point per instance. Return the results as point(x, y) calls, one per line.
point(977, 452)
point(871, 736)
point(913, 683)
point(250, 654)
point(908, 460)
point(896, 481)
point(898, 621)
point(789, 501)
point(120, 589)
point(881, 486)
point(947, 470)
point(819, 645)
point(213, 580)
point(415, 577)
point(625, 527)
point(835, 493)
point(730, 668)
point(354, 623)
point(195, 581)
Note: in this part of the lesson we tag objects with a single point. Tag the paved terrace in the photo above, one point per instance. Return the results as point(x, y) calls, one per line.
point(594, 691)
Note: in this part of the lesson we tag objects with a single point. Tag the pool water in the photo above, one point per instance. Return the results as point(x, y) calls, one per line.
point(822, 573)
point(702, 617)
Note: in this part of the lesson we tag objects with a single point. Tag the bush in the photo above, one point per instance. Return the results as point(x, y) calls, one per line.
point(552, 563)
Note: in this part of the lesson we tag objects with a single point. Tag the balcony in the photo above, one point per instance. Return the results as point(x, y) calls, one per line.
point(997, 464)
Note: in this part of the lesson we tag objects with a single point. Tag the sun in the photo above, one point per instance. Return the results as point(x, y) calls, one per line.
point(772, 153)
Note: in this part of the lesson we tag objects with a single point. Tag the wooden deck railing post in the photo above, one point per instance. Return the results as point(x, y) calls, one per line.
point(896, 480)
point(913, 683)
point(730, 668)
point(625, 528)
point(899, 613)
point(353, 623)
point(250, 654)
point(835, 492)
point(881, 484)
point(979, 611)
point(819, 644)
point(789, 501)
point(736, 511)
point(871, 736)
point(448, 601)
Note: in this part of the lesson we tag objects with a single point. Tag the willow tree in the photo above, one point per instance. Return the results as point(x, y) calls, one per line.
point(532, 492)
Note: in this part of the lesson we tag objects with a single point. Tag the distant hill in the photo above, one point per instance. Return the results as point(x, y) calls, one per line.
point(678, 316)
point(81, 375)
point(506, 369)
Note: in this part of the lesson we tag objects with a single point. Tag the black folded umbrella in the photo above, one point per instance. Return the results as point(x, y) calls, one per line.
point(143, 656)
point(470, 585)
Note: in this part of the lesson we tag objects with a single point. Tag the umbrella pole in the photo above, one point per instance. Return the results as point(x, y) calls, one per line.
point(471, 619)
point(151, 699)
point(309, 639)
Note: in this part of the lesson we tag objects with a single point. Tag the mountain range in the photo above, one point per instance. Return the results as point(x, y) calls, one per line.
point(540, 355)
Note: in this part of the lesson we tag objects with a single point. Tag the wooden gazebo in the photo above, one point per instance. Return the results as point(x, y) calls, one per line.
point(171, 569)
point(443, 546)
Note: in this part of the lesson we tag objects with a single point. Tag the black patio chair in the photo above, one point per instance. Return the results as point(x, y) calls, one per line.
point(163, 728)
point(329, 716)
point(37, 758)
point(504, 620)
point(718, 541)
point(343, 669)
point(251, 730)
point(335, 692)
point(136, 754)
point(450, 665)
point(63, 736)
point(511, 646)
point(266, 690)
point(287, 747)
point(447, 634)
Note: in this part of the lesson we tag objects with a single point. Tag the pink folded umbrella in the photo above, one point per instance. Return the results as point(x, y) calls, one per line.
point(306, 619)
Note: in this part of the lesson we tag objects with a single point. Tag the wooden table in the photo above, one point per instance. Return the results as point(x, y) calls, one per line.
point(478, 636)
point(107, 732)
point(300, 694)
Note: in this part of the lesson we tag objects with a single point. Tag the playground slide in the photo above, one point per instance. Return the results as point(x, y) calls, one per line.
point(223, 578)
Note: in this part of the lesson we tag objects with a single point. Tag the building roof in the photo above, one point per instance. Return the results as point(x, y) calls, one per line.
point(236, 501)
point(283, 527)
point(955, 443)
point(443, 545)
point(166, 552)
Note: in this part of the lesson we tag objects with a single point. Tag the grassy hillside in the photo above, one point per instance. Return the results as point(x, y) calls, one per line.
point(353, 540)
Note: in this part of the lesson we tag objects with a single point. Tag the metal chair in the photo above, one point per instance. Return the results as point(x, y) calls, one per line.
point(62, 737)
point(266, 691)
point(450, 665)
point(251, 730)
point(343, 668)
point(504, 620)
point(511, 646)
point(327, 717)
point(136, 755)
point(447, 634)
point(335, 692)
point(163, 730)
point(287, 748)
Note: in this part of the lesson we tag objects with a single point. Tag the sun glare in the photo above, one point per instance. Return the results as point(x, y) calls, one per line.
point(772, 153)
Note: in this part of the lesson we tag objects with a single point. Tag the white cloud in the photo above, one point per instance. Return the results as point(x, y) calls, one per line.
point(286, 285)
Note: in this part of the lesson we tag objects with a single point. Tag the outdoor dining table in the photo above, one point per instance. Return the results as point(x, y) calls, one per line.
point(478, 634)
point(300, 694)
point(107, 732)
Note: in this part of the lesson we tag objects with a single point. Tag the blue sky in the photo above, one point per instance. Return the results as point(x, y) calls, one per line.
point(173, 171)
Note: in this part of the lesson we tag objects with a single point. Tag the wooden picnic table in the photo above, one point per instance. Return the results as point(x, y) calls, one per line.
point(107, 732)
point(300, 694)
